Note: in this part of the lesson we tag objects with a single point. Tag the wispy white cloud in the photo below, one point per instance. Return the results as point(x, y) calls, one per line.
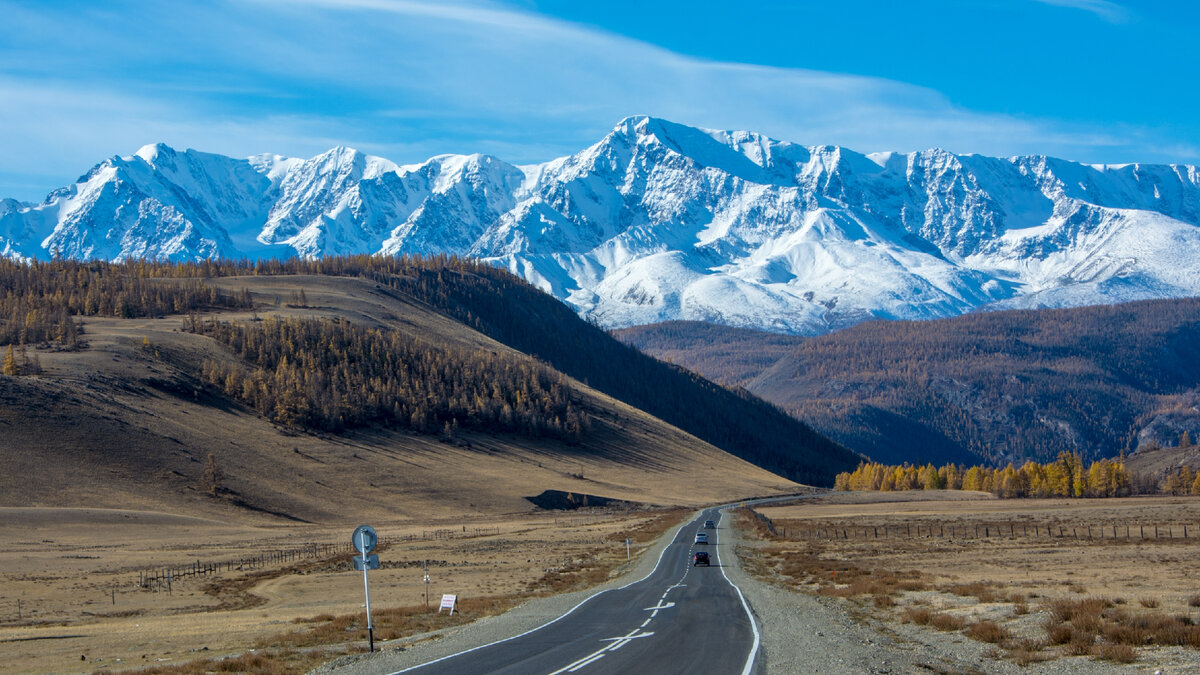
point(408, 79)
point(1105, 9)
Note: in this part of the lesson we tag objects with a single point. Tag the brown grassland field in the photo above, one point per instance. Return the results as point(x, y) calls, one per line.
point(971, 563)
point(103, 480)
point(76, 574)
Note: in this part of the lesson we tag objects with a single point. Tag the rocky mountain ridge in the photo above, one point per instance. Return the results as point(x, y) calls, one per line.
point(660, 221)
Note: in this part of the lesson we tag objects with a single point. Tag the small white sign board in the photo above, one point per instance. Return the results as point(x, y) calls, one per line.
point(448, 602)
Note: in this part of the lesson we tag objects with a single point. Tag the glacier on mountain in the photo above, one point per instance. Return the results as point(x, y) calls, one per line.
point(663, 221)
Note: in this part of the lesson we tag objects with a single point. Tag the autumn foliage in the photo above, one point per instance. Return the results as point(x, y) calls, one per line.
point(1064, 477)
point(39, 300)
point(330, 374)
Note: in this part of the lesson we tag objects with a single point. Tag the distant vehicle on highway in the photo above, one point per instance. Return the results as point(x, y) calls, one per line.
point(708, 524)
point(701, 558)
point(701, 538)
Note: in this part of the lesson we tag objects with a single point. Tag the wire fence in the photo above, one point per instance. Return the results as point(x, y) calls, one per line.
point(988, 530)
point(164, 578)
point(1010, 530)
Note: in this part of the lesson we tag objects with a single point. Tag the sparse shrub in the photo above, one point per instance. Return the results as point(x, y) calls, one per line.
point(1194, 601)
point(1088, 622)
point(1166, 630)
point(1025, 651)
point(213, 476)
point(1080, 644)
point(947, 622)
point(918, 615)
point(1085, 614)
point(1117, 653)
point(1125, 634)
point(884, 601)
point(978, 590)
point(1148, 602)
point(1020, 609)
point(1059, 633)
point(988, 631)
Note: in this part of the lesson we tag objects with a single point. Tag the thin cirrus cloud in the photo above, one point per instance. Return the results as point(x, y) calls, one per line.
point(409, 79)
point(1109, 11)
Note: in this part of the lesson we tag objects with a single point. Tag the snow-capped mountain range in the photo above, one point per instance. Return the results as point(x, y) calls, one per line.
point(662, 221)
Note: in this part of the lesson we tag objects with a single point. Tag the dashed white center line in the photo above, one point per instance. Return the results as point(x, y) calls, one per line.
point(621, 641)
point(594, 657)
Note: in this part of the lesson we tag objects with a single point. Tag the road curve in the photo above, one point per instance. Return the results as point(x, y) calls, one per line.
point(678, 619)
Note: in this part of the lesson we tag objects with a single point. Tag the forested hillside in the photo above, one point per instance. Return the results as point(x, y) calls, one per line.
point(991, 387)
point(39, 302)
point(329, 375)
point(513, 312)
point(333, 375)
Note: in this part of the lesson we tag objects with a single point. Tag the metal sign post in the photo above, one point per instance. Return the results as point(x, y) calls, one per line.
point(627, 549)
point(364, 540)
point(425, 567)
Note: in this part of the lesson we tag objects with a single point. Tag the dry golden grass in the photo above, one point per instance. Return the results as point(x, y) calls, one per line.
point(1117, 653)
point(270, 662)
point(297, 614)
point(1029, 596)
point(988, 631)
point(947, 622)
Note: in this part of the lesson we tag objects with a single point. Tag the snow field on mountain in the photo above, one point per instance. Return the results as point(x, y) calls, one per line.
point(661, 221)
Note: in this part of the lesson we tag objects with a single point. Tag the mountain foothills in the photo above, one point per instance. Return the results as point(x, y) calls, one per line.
point(660, 221)
point(448, 381)
point(986, 388)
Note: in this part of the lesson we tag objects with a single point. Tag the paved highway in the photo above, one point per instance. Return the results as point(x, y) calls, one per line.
point(679, 619)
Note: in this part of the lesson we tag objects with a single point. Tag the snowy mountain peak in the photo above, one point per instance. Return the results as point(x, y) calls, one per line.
point(150, 152)
point(658, 220)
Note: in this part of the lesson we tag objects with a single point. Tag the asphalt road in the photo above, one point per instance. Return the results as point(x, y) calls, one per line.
point(679, 619)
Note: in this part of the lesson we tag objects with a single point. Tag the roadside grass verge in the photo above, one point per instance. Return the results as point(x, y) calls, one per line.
point(315, 640)
point(1036, 627)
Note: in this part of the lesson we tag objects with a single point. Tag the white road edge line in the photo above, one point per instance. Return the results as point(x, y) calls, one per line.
point(746, 606)
point(581, 602)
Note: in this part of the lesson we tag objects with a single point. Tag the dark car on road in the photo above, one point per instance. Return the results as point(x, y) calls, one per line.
point(700, 558)
point(708, 525)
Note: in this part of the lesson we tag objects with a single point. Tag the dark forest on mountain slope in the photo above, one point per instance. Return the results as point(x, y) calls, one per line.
point(725, 354)
point(991, 387)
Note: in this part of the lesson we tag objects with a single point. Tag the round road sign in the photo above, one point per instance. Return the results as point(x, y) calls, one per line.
point(364, 539)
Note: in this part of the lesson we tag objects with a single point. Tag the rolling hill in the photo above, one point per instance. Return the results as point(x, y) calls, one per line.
point(131, 416)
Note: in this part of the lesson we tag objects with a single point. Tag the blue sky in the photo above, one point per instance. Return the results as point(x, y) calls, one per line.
point(530, 80)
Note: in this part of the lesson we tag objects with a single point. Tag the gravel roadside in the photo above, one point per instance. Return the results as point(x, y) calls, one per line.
point(804, 634)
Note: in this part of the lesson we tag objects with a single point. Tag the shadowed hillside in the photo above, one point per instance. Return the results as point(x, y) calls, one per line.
point(724, 354)
point(517, 314)
point(989, 387)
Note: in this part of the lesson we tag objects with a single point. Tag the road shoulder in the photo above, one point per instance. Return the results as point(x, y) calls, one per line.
point(412, 651)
